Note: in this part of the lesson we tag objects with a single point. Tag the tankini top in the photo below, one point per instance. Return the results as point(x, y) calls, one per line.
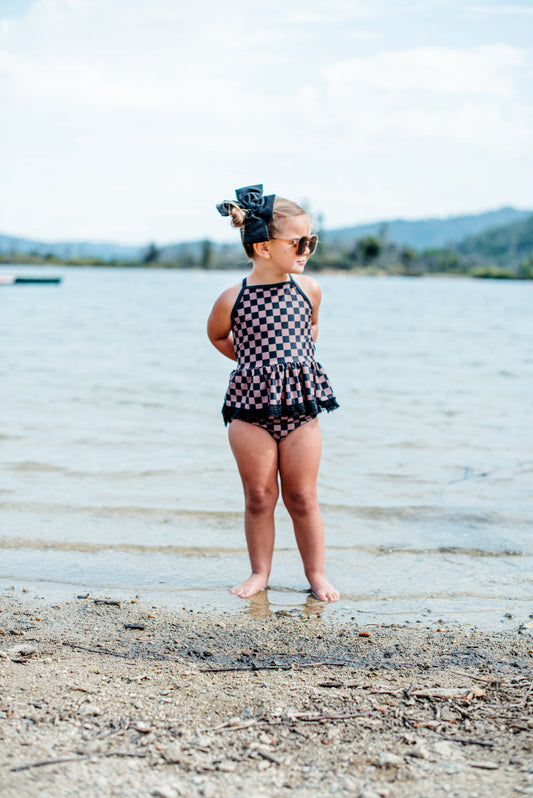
point(277, 374)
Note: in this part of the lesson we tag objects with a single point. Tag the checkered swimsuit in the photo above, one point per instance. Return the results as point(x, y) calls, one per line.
point(277, 384)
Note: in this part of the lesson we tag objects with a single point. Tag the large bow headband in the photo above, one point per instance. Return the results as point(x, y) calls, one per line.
point(259, 212)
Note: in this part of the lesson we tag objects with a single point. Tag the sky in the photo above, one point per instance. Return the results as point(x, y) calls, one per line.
point(129, 121)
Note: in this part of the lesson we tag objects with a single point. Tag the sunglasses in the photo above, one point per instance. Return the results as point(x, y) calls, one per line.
point(301, 244)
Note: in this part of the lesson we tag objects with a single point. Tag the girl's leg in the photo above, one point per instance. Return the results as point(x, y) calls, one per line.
point(256, 453)
point(299, 458)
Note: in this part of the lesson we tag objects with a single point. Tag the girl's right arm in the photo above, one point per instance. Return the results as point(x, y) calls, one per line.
point(219, 322)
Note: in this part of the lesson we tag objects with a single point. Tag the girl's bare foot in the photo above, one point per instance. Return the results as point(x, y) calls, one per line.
point(250, 587)
point(323, 590)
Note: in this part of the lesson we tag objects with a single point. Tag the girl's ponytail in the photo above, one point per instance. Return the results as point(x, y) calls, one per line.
point(263, 217)
point(238, 214)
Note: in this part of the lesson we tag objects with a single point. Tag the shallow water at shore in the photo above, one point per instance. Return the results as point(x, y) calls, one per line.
point(115, 473)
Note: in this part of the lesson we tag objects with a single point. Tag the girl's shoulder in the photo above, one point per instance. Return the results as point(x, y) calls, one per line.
point(228, 298)
point(310, 287)
point(219, 321)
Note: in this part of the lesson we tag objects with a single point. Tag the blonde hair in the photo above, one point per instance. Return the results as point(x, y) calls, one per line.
point(283, 209)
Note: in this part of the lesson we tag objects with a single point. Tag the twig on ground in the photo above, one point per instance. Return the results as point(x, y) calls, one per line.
point(234, 725)
point(524, 702)
point(302, 717)
point(492, 682)
point(79, 758)
point(462, 712)
point(268, 756)
point(332, 683)
point(448, 693)
point(253, 666)
point(305, 718)
point(108, 602)
point(98, 650)
point(465, 741)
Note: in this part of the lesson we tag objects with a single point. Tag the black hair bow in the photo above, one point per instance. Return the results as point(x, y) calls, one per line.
point(259, 212)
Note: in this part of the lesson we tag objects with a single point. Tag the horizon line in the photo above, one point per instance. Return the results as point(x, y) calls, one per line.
point(148, 242)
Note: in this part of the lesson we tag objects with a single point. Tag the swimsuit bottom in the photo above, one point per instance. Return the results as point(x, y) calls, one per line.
point(279, 428)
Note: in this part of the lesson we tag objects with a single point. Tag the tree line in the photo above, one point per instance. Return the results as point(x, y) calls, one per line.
point(371, 255)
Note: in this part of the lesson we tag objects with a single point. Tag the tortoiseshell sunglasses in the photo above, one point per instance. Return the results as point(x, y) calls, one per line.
point(301, 244)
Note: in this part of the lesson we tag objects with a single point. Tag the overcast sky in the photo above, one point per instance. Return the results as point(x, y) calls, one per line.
point(128, 121)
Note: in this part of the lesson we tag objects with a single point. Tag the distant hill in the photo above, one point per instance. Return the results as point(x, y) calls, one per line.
point(70, 249)
point(194, 250)
point(507, 245)
point(427, 233)
point(420, 234)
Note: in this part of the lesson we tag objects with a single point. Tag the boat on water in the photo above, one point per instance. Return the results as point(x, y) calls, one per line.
point(15, 279)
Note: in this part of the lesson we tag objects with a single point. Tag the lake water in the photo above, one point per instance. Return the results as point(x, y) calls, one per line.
point(116, 477)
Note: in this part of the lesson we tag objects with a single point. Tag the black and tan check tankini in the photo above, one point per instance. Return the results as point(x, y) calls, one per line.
point(277, 384)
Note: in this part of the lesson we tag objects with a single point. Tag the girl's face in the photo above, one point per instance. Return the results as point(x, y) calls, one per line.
point(283, 248)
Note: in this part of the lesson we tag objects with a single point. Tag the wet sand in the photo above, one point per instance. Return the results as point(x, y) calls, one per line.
point(127, 699)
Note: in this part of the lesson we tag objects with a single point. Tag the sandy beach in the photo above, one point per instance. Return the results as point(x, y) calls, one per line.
point(105, 697)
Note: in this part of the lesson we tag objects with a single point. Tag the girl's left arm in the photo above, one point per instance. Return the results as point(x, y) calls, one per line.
point(219, 324)
point(314, 292)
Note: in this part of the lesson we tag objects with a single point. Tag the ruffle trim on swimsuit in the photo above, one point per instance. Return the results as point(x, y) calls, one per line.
point(283, 389)
point(296, 411)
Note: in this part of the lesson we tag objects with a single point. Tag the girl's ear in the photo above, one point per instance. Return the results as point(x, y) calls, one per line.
point(262, 249)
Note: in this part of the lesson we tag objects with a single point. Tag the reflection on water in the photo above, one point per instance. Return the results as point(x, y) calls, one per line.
point(263, 605)
point(115, 472)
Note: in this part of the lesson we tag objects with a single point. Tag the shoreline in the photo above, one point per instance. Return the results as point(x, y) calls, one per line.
point(114, 697)
point(483, 612)
point(485, 273)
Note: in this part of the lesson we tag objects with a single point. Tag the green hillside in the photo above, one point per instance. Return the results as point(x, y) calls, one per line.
point(423, 234)
point(503, 251)
point(507, 245)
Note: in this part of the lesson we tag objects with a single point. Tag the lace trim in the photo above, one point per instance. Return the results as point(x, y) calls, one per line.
point(311, 407)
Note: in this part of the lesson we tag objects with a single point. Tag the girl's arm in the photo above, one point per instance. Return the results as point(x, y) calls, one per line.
point(219, 323)
point(314, 292)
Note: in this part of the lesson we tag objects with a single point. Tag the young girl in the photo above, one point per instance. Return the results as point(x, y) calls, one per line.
point(269, 324)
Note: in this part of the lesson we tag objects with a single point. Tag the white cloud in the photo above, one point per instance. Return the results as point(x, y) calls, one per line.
point(88, 53)
point(469, 97)
point(434, 94)
point(67, 81)
point(487, 70)
point(506, 132)
point(512, 10)
point(336, 11)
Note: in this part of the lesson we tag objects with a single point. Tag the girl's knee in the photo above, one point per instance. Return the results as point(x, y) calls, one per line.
point(261, 500)
point(300, 501)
